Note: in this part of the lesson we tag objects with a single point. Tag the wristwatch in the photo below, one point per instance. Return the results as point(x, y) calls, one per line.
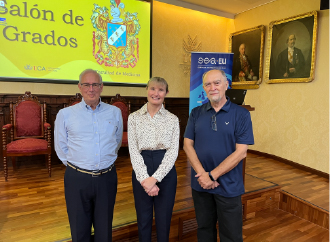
point(211, 177)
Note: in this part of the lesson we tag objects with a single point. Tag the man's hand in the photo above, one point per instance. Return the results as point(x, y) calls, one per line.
point(292, 70)
point(148, 184)
point(241, 74)
point(285, 74)
point(205, 181)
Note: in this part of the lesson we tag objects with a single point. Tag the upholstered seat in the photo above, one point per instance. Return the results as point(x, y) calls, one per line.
point(30, 134)
point(125, 108)
point(27, 145)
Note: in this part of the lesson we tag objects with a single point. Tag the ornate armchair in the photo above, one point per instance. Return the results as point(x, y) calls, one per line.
point(74, 100)
point(30, 134)
point(125, 108)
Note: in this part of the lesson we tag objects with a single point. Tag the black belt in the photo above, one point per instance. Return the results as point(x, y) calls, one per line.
point(93, 173)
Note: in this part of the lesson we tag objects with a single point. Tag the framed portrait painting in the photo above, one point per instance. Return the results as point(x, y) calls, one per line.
point(291, 49)
point(247, 46)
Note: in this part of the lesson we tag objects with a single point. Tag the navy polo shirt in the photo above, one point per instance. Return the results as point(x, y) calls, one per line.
point(234, 126)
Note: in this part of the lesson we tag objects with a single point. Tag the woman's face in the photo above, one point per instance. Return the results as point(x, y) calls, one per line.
point(156, 93)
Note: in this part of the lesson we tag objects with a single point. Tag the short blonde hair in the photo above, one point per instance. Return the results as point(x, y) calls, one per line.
point(159, 80)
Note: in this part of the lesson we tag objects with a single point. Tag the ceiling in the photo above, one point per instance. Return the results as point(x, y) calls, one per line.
point(224, 8)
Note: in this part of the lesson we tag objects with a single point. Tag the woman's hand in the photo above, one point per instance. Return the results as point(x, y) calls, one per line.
point(148, 184)
point(154, 191)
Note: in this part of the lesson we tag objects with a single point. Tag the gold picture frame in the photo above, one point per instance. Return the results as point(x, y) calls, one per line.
point(291, 49)
point(247, 63)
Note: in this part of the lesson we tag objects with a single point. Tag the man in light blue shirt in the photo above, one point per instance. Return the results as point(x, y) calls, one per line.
point(87, 138)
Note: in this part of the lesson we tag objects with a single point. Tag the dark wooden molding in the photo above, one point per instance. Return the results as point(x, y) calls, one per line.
point(248, 107)
point(291, 163)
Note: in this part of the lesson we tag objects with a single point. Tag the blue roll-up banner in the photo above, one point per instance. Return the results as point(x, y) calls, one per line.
point(202, 62)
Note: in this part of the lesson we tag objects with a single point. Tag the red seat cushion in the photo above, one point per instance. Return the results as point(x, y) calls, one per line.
point(27, 146)
point(125, 139)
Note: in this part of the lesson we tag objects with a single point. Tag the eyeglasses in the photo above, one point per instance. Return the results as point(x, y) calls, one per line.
point(214, 123)
point(95, 86)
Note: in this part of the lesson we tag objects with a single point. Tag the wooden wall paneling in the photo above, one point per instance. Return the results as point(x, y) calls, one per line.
point(178, 106)
point(257, 201)
point(187, 224)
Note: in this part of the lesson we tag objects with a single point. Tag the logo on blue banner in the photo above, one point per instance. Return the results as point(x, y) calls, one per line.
point(202, 62)
point(117, 35)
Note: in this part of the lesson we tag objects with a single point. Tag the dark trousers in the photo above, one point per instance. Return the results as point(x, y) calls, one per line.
point(209, 209)
point(162, 204)
point(90, 201)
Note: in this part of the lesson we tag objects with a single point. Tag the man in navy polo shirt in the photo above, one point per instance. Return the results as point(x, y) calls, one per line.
point(216, 141)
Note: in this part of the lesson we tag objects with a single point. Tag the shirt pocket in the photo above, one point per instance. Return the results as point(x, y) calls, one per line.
point(109, 127)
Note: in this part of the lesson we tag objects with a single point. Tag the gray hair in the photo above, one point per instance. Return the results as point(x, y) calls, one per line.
point(90, 71)
point(287, 40)
point(221, 71)
point(159, 80)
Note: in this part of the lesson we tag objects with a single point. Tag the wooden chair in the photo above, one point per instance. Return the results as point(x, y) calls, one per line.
point(125, 108)
point(30, 134)
point(74, 100)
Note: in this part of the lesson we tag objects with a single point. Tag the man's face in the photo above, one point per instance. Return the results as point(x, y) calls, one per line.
point(242, 49)
point(215, 86)
point(90, 94)
point(291, 41)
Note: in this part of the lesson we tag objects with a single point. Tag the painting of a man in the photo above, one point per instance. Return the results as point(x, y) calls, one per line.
point(242, 66)
point(291, 61)
point(247, 46)
point(292, 43)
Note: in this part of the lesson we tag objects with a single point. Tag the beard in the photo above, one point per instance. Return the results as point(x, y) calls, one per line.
point(215, 98)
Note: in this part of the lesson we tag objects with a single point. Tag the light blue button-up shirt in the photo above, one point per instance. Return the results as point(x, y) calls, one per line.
point(88, 138)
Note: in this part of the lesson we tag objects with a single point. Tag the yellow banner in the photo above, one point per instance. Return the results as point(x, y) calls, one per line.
point(57, 40)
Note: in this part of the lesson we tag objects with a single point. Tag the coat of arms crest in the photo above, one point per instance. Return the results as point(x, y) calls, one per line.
point(115, 41)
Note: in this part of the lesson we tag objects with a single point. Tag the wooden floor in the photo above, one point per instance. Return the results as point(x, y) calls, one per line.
point(302, 184)
point(277, 225)
point(32, 206)
point(269, 226)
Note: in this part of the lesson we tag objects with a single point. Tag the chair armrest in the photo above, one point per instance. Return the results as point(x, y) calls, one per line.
point(7, 127)
point(47, 126)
